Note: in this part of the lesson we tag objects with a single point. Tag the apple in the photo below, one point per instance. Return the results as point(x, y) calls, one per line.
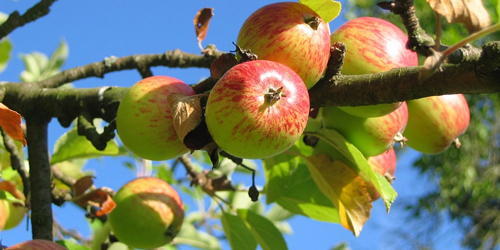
point(435, 122)
point(384, 164)
point(290, 33)
point(144, 120)
point(15, 211)
point(373, 45)
point(148, 213)
point(37, 245)
point(373, 135)
point(4, 214)
point(257, 109)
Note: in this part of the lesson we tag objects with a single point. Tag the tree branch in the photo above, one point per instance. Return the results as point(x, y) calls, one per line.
point(16, 162)
point(15, 20)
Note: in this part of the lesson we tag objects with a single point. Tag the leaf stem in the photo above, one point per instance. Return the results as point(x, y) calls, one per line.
point(472, 37)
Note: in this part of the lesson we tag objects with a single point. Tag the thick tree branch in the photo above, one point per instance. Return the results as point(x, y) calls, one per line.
point(15, 20)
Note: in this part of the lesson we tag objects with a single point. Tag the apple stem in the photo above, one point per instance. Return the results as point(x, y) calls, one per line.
point(272, 96)
point(313, 22)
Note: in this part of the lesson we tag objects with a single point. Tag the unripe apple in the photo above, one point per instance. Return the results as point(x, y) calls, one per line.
point(148, 213)
point(373, 45)
point(290, 33)
point(4, 214)
point(435, 122)
point(37, 245)
point(144, 120)
point(257, 109)
point(15, 211)
point(384, 164)
point(372, 136)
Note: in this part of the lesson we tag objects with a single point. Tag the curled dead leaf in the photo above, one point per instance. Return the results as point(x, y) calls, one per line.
point(431, 64)
point(186, 111)
point(471, 13)
point(100, 198)
point(82, 185)
point(11, 121)
point(222, 64)
point(11, 187)
point(201, 21)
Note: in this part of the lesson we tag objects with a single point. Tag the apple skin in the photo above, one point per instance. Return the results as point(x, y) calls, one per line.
point(37, 245)
point(280, 32)
point(373, 45)
point(372, 136)
point(384, 164)
point(148, 213)
point(4, 214)
point(144, 121)
point(240, 117)
point(435, 122)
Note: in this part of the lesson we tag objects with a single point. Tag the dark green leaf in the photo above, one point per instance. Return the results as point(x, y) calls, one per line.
point(264, 231)
point(237, 233)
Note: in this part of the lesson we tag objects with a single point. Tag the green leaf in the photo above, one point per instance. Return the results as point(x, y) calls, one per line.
point(4, 195)
point(263, 230)
point(498, 11)
point(189, 235)
point(237, 233)
point(73, 146)
point(118, 246)
point(58, 58)
point(346, 152)
point(5, 51)
point(70, 245)
point(326, 9)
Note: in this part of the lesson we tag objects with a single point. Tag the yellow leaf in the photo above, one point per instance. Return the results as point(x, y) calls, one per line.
point(10, 121)
point(344, 188)
point(471, 13)
point(326, 9)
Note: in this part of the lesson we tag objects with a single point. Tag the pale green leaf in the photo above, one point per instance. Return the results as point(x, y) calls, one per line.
point(237, 233)
point(71, 245)
point(3, 17)
point(73, 146)
point(326, 9)
point(189, 235)
point(498, 11)
point(263, 230)
point(59, 56)
point(4, 195)
point(5, 51)
point(118, 246)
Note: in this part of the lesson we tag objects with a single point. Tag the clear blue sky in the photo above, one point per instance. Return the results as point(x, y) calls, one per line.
point(98, 29)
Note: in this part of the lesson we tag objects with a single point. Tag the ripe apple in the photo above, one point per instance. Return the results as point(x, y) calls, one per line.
point(290, 33)
point(148, 213)
point(435, 122)
point(37, 245)
point(144, 121)
point(384, 164)
point(257, 109)
point(373, 45)
point(372, 136)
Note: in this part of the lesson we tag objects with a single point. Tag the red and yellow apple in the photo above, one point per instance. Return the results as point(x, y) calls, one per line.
point(37, 245)
point(144, 120)
point(257, 109)
point(148, 213)
point(373, 45)
point(435, 122)
point(15, 210)
point(290, 33)
point(372, 136)
point(384, 164)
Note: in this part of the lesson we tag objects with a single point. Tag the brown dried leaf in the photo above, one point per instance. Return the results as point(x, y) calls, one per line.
point(471, 13)
point(222, 64)
point(82, 185)
point(201, 21)
point(186, 113)
point(344, 188)
point(431, 64)
point(10, 121)
point(98, 197)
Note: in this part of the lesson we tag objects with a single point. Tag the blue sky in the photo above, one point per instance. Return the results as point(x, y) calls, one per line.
point(98, 29)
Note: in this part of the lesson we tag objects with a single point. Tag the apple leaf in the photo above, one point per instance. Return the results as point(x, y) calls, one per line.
point(471, 13)
point(5, 195)
point(11, 121)
point(73, 146)
point(349, 154)
point(5, 50)
point(191, 236)
point(263, 230)
point(201, 21)
point(118, 246)
point(222, 64)
point(186, 113)
point(98, 197)
point(71, 245)
point(82, 185)
point(326, 9)
point(237, 233)
point(498, 11)
point(344, 188)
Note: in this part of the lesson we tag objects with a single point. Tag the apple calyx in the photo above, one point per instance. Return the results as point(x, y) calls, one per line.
point(273, 96)
point(313, 22)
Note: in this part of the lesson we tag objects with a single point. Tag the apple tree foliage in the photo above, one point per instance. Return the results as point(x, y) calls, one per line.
point(465, 181)
point(297, 182)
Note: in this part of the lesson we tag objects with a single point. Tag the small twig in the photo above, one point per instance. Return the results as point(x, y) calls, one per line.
point(87, 128)
point(15, 20)
point(16, 162)
point(62, 232)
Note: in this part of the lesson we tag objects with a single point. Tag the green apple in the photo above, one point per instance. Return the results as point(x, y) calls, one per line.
point(373, 45)
point(37, 245)
point(290, 33)
point(373, 135)
point(257, 109)
point(148, 213)
point(144, 120)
